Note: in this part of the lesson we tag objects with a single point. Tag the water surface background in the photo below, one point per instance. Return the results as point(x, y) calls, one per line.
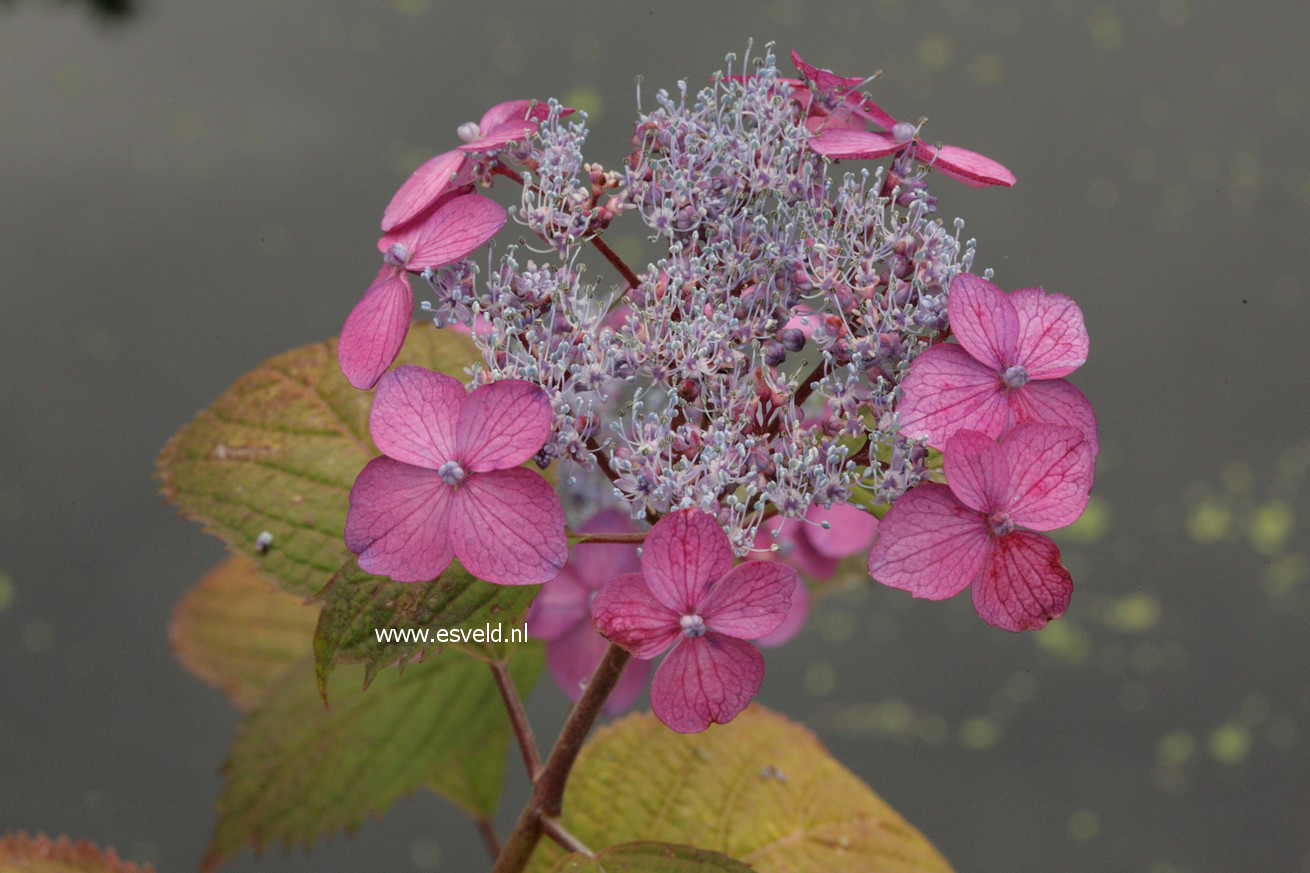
point(188, 188)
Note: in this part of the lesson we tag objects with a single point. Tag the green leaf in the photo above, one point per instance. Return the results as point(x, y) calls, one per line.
point(299, 770)
point(650, 858)
point(278, 452)
point(238, 632)
point(761, 789)
point(356, 605)
point(20, 853)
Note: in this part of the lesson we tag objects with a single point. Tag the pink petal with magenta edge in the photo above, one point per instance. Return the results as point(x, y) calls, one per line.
point(984, 321)
point(850, 530)
point(846, 144)
point(930, 544)
point(434, 178)
point(507, 527)
point(510, 122)
point(413, 416)
point(455, 227)
point(573, 659)
point(705, 680)
point(628, 615)
point(947, 390)
point(397, 521)
point(502, 424)
point(824, 80)
point(751, 601)
point(977, 471)
point(962, 165)
point(864, 107)
point(376, 329)
point(1051, 469)
point(510, 110)
point(1056, 401)
point(792, 624)
point(683, 553)
point(1024, 585)
point(1053, 339)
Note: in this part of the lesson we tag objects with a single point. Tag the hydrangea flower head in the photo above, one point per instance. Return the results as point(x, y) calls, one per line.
point(561, 613)
point(1007, 369)
point(690, 597)
point(938, 540)
point(449, 485)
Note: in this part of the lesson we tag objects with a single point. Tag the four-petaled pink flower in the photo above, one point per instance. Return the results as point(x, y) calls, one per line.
point(375, 330)
point(815, 550)
point(449, 484)
point(938, 540)
point(689, 596)
point(561, 613)
point(1014, 348)
point(839, 117)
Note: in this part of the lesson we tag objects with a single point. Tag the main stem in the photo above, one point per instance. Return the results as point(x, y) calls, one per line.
point(548, 791)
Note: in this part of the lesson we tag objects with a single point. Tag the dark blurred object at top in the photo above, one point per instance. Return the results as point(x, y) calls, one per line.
point(109, 9)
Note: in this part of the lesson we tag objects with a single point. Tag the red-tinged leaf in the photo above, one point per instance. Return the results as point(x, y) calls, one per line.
point(238, 632)
point(20, 853)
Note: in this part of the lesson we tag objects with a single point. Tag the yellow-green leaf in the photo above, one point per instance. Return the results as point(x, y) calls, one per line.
point(299, 770)
point(278, 452)
point(761, 789)
point(238, 632)
point(20, 853)
point(650, 858)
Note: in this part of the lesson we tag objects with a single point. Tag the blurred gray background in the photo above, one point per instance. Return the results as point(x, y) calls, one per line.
point(188, 188)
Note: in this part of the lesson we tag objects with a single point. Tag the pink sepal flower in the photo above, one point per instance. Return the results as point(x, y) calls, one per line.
point(449, 484)
point(376, 328)
point(689, 596)
point(938, 540)
point(561, 613)
point(838, 122)
point(1013, 350)
point(504, 123)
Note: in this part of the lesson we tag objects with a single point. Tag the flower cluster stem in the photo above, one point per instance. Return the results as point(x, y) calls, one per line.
point(518, 718)
point(547, 799)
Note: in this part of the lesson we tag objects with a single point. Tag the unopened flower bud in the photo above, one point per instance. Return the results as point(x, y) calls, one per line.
point(792, 339)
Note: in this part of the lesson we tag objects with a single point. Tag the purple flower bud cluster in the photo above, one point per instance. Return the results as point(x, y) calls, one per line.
point(753, 368)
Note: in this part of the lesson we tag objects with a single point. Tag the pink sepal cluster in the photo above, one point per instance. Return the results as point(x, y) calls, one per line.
point(433, 219)
point(561, 613)
point(840, 122)
point(376, 328)
point(938, 540)
point(1014, 350)
point(690, 597)
point(449, 484)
